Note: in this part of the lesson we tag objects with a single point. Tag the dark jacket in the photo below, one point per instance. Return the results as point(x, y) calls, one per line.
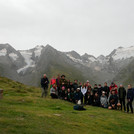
point(44, 82)
point(113, 99)
point(122, 93)
point(75, 86)
point(77, 96)
point(63, 81)
point(100, 91)
point(95, 90)
point(107, 90)
point(130, 94)
point(96, 101)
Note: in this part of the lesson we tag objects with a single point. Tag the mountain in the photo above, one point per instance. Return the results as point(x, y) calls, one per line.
point(10, 61)
point(37, 61)
point(27, 66)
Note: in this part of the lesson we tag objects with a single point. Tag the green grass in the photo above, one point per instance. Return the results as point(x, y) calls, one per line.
point(22, 111)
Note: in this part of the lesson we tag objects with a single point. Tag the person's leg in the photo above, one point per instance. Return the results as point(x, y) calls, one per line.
point(85, 100)
point(127, 106)
point(43, 92)
point(131, 106)
point(82, 99)
point(121, 103)
point(46, 91)
point(124, 104)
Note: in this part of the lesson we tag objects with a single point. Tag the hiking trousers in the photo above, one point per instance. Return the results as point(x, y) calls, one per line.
point(122, 102)
point(44, 92)
point(131, 107)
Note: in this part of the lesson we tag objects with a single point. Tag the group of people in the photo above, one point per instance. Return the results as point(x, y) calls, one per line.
point(110, 97)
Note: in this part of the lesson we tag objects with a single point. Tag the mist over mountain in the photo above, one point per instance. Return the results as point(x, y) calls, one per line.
point(28, 66)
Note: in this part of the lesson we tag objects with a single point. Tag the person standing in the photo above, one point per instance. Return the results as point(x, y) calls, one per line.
point(83, 91)
point(129, 98)
point(106, 89)
point(44, 85)
point(113, 87)
point(122, 95)
point(75, 85)
point(100, 89)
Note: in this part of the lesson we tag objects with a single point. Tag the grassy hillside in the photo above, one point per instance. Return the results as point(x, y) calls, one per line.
point(22, 111)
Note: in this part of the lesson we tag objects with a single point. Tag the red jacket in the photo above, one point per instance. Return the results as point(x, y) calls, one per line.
point(53, 81)
point(114, 87)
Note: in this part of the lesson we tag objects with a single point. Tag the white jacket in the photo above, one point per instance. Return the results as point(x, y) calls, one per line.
point(84, 90)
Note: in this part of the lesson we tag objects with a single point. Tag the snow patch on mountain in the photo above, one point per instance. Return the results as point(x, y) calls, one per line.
point(74, 59)
point(13, 56)
point(38, 50)
point(28, 59)
point(123, 53)
point(92, 59)
point(3, 52)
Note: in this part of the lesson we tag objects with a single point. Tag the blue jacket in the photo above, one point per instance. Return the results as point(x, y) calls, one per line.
point(130, 94)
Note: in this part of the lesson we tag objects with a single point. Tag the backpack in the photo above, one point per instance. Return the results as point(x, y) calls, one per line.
point(79, 107)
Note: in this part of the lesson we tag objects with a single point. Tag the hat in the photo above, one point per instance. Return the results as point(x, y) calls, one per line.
point(78, 88)
point(63, 75)
point(103, 92)
point(87, 81)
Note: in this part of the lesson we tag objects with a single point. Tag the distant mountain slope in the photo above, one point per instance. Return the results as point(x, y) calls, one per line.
point(126, 75)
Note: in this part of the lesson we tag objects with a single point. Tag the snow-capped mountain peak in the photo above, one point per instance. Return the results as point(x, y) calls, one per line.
point(123, 53)
point(3, 52)
point(38, 50)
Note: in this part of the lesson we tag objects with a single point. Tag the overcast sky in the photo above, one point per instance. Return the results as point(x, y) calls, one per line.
point(86, 26)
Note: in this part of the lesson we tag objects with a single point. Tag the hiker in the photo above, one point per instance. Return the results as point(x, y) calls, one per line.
point(87, 83)
point(63, 81)
point(100, 89)
point(44, 85)
point(72, 95)
point(69, 97)
point(95, 89)
point(103, 100)
point(113, 87)
point(96, 100)
point(70, 85)
point(113, 100)
point(106, 89)
point(63, 95)
point(54, 92)
point(89, 97)
point(75, 85)
point(122, 95)
point(53, 81)
point(83, 91)
point(80, 85)
point(77, 96)
point(129, 98)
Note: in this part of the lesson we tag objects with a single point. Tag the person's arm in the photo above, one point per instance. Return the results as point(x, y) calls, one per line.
point(119, 92)
point(42, 82)
point(47, 81)
point(124, 92)
point(110, 99)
